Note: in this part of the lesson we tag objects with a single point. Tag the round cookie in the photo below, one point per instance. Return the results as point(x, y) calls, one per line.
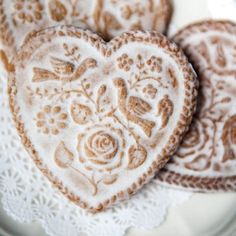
point(206, 160)
point(109, 18)
point(99, 119)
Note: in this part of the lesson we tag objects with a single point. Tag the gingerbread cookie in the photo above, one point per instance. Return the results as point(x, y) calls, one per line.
point(206, 160)
point(100, 119)
point(107, 17)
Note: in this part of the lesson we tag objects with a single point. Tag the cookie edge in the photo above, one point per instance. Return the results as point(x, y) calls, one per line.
point(192, 182)
point(190, 87)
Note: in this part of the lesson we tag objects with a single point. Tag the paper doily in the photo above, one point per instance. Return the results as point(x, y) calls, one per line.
point(28, 196)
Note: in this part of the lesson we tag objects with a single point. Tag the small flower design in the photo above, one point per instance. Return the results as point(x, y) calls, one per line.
point(155, 64)
point(150, 90)
point(124, 62)
point(11, 182)
point(51, 119)
point(28, 11)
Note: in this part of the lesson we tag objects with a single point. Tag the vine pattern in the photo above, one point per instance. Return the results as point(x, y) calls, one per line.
point(198, 136)
point(101, 148)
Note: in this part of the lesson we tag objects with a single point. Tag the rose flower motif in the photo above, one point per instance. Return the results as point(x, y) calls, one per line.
point(101, 148)
point(101, 144)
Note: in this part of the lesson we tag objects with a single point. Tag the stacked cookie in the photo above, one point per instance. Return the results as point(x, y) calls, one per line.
point(206, 159)
point(100, 119)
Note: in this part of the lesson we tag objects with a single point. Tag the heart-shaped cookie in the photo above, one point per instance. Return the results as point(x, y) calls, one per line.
point(109, 18)
point(99, 119)
point(206, 160)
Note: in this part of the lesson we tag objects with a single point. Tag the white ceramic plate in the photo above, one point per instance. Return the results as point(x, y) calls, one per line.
point(204, 214)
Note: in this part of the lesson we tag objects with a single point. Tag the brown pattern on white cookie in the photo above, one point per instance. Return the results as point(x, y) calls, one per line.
point(104, 98)
point(20, 18)
point(229, 139)
point(165, 110)
point(57, 10)
point(25, 12)
point(51, 119)
point(207, 155)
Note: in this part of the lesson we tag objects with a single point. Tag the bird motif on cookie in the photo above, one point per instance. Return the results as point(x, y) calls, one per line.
point(64, 71)
point(133, 107)
point(165, 110)
point(229, 139)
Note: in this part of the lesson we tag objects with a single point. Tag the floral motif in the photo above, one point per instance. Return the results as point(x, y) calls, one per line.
point(101, 145)
point(51, 119)
point(11, 182)
point(220, 63)
point(150, 90)
point(155, 63)
point(28, 11)
point(201, 141)
point(101, 148)
point(144, 67)
point(124, 62)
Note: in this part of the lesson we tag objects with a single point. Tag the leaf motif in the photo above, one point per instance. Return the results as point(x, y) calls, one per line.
point(199, 163)
point(97, 12)
point(202, 49)
point(80, 113)
point(137, 156)
point(221, 58)
point(62, 156)
point(226, 100)
point(109, 179)
point(57, 10)
point(102, 90)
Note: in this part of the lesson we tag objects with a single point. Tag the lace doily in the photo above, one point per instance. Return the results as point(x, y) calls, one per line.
point(28, 196)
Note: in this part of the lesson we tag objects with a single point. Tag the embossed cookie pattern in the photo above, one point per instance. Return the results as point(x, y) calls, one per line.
point(109, 18)
point(99, 119)
point(206, 160)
